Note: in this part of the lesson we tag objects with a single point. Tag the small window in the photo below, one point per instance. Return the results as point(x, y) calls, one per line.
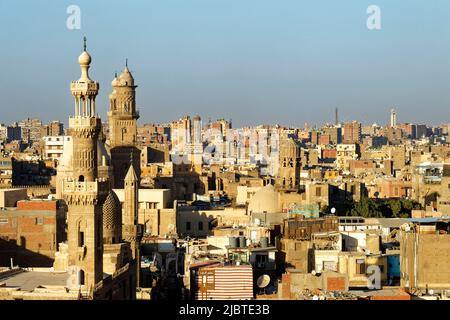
point(40, 221)
point(188, 226)
point(200, 226)
point(81, 239)
point(360, 266)
point(318, 191)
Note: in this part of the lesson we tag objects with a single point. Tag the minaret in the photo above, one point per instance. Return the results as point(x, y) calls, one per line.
point(83, 192)
point(122, 119)
point(393, 118)
point(130, 210)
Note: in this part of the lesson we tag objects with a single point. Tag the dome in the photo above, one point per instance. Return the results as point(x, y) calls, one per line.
point(112, 212)
point(84, 59)
point(126, 78)
point(264, 200)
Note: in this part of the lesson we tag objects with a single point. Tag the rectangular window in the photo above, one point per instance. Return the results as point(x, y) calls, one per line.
point(200, 226)
point(360, 266)
point(81, 239)
point(262, 258)
point(188, 226)
point(40, 221)
point(318, 192)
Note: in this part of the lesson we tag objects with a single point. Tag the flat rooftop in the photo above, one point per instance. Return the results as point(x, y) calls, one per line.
point(30, 280)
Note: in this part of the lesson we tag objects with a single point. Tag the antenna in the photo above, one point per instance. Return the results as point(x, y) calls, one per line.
point(337, 118)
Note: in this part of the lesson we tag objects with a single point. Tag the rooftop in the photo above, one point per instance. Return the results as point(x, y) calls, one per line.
point(30, 280)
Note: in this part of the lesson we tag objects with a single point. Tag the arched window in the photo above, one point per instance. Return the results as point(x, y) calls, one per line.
point(81, 178)
point(81, 277)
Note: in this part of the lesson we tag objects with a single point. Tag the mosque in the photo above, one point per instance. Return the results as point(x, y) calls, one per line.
point(101, 255)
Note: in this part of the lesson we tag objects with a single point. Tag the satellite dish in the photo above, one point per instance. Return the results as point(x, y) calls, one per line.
point(263, 281)
point(333, 210)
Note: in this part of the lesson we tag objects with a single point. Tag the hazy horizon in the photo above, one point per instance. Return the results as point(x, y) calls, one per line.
point(255, 62)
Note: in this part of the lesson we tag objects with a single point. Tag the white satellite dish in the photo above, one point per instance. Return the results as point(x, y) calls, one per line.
point(263, 281)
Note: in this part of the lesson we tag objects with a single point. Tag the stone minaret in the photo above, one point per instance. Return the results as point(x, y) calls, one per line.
point(393, 118)
point(122, 119)
point(290, 165)
point(130, 210)
point(83, 192)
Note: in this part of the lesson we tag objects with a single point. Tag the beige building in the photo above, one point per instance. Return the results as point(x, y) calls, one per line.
point(424, 257)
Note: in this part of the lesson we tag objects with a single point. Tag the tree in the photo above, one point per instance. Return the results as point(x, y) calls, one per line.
point(395, 207)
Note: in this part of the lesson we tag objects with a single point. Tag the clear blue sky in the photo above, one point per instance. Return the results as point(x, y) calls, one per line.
point(255, 61)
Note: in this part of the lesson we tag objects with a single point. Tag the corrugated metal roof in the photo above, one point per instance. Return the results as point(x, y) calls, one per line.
point(225, 283)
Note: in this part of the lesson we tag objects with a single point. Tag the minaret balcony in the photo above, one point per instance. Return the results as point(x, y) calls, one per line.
point(84, 86)
point(86, 187)
point(85, 122)
point(80, 186)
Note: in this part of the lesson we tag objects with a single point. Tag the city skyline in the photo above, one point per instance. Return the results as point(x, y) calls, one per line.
point(296, 152)
point(254, 64)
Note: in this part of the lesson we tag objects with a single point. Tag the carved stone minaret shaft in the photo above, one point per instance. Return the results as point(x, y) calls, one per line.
point(83, 192)
point(130, 210)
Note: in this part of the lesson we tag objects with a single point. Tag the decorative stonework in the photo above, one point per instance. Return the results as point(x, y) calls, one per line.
point(81, 199)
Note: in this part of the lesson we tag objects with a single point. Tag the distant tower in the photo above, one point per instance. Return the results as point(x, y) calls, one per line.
point(336, 121)
point(83, 192)
point(122, 118)
point(393, 118)
point(289, 165)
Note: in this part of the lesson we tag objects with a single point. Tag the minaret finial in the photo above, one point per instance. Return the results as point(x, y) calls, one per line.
point(131, 158)
point(126, 62)
point(84, 40)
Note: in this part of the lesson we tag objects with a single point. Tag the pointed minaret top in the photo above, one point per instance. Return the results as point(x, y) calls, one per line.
point(131, 174)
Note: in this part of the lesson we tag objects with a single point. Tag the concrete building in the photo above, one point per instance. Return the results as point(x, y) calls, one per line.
point(352, 132)
point(54, 146)
point(424, 256)
point(31, 232)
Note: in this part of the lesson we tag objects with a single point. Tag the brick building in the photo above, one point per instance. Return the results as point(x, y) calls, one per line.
point(30, 232)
